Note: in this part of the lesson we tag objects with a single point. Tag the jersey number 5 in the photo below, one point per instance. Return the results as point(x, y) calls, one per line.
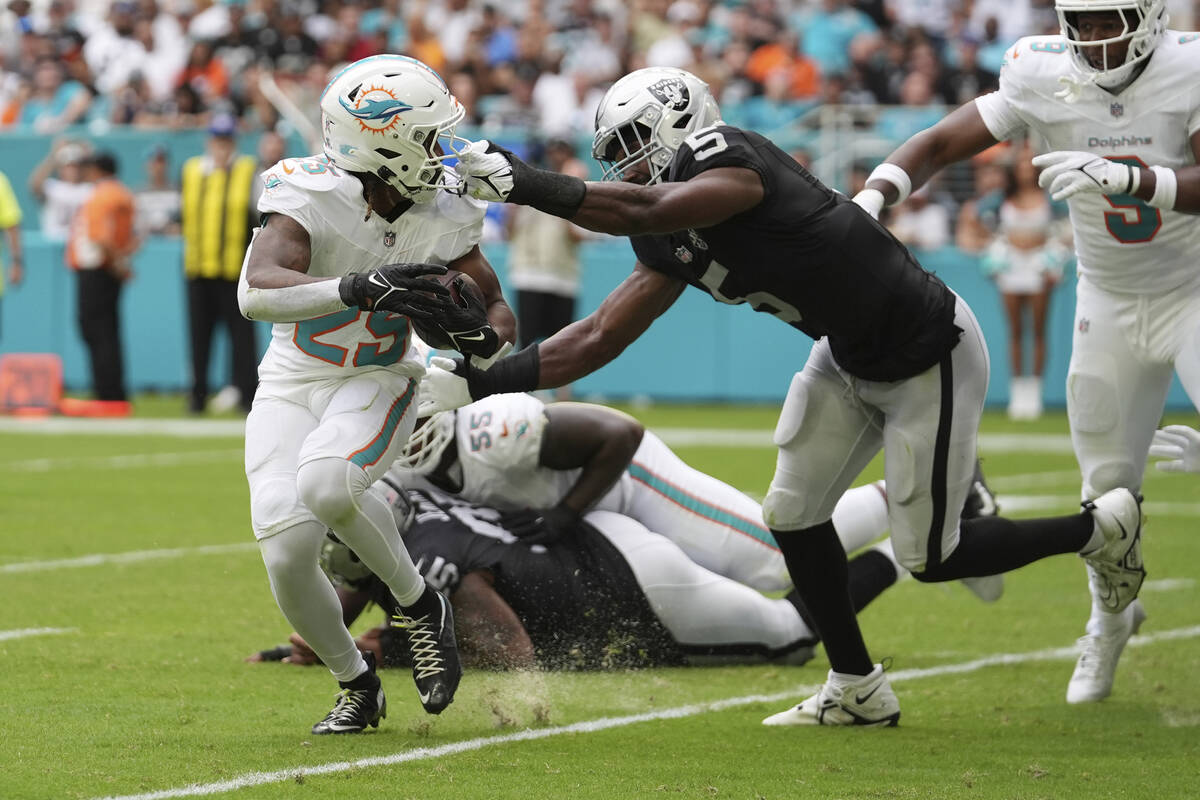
point(1134, 221)
point(706, 142)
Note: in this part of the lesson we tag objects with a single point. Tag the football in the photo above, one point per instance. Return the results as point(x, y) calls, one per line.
point(464, 292)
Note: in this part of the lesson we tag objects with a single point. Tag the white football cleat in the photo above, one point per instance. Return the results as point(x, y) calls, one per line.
point(1093, 676)
point(1117, 563)
point(869, 701)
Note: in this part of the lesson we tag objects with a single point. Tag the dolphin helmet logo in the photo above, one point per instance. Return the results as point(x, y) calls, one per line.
point(376, 109)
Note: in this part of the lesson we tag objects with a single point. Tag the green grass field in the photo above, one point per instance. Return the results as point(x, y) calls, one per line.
point(130, 591)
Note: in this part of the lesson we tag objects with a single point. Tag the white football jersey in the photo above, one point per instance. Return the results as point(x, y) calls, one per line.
point(1123, 243)
point(499, 445)
point(329, 204)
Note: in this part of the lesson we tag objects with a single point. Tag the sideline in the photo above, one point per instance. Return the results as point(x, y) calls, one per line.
point(606, 723)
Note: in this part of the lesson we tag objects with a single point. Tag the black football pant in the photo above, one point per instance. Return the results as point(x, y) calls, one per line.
point(212, 300)
point(98, 297)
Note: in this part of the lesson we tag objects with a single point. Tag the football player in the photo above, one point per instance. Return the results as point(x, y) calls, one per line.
point(613, 594)
point(1114, 96)
point(900, 362)
point(337, 384)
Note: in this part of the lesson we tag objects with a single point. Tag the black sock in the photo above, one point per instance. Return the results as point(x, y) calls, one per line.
point(817, 564)
point(991, 545)
point(870, 573)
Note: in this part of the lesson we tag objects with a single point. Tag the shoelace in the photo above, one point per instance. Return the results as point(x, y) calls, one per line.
point(349, 705)
point(427, 659)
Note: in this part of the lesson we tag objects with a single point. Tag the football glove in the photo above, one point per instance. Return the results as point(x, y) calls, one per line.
point(397, 289)
point(487, 171)
point(541, 526)
point(1067, 173)
point(444, 386)
point(467, 328)
point(1181, 445)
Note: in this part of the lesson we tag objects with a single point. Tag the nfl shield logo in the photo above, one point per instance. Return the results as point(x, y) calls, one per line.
point(1116, 109)
point(683, 254)
point(389, 238)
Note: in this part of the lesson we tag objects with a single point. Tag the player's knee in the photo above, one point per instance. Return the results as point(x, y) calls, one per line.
point(273, 504)
point(330, 489)
point(786, 509)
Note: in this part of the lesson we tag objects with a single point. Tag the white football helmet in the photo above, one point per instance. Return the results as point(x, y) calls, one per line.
point(1145, 21)
point(423, 450)
point(393, 117)
point(647, 115)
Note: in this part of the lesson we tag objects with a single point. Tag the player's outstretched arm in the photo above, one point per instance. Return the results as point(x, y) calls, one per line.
point(623, 209)
point(577, 350)
point(958, 136)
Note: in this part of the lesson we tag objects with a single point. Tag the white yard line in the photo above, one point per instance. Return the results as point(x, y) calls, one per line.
point(131, 557)
point(128, 461)
point(680, 437)
point(606, 723)
point(21, 633)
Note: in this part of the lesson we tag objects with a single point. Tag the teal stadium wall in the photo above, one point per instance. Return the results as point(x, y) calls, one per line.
point(698, 351)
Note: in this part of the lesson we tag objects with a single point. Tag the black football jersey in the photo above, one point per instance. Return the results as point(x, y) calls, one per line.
point(810, 257)
point(579, 601)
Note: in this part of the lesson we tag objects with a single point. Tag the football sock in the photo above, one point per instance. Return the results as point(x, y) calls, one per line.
point(870, 573)
point(307, 598)
point(336, 491)
point(861, 516)
point(991, 545)
point(817, 563)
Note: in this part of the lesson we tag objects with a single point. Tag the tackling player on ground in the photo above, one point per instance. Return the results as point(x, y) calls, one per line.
point(900, 362)
point(1115, 97)
point(336, 398)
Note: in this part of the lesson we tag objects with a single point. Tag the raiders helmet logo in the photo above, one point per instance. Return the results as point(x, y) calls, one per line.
point(671, 92)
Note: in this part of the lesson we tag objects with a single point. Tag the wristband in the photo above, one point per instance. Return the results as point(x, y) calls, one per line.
point(552, 192)
point(1135, 178)
point(1165, 186)
point(871, 200)
point(519, 372)
point(894, 175)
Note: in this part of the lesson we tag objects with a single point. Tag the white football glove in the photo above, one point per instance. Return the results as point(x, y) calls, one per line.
point(1066, 173)
point(486, 175)
point(1179, 443)
point(441, 388)
point(870, 200)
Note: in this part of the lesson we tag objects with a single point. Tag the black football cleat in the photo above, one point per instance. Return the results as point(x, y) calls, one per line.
point(429, 626)
point(360, 703)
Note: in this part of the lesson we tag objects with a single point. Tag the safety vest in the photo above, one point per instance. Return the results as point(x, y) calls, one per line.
point(216, 217)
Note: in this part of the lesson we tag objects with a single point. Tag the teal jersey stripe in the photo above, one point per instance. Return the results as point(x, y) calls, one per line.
point(698, 506)
point(375, 450)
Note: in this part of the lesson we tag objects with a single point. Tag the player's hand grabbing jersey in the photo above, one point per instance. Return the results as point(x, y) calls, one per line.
point(812, 258)
point(329, 204)
point(1124, 244)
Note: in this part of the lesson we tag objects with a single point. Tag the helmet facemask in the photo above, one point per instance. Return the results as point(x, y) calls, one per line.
point(630, 144)
point(423, 450)
point(1143, 23)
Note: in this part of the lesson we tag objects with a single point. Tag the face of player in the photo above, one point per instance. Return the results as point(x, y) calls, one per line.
point(1095, 26)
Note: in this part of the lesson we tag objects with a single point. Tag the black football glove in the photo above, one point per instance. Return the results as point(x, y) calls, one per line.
point(397, 289)
point(466, 326)
point(541, 526)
